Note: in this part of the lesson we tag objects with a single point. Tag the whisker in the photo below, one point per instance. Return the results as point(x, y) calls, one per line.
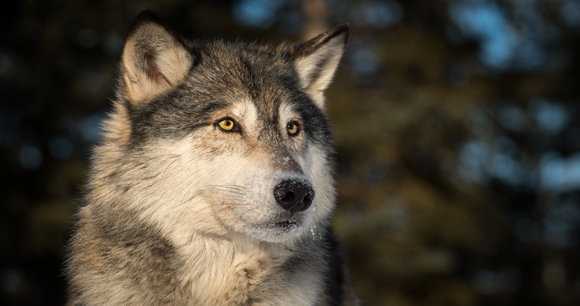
point(236, 187)
point(247, 211)
point(175, 158)
point(195, 195)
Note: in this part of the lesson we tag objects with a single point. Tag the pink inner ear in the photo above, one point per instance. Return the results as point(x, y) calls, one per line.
point(152, 70)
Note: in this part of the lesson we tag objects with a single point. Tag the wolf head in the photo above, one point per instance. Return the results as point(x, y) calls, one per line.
point(220, 138)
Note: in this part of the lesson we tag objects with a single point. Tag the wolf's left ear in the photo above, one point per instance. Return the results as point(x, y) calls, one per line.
point(154, 60)
point(317, 59)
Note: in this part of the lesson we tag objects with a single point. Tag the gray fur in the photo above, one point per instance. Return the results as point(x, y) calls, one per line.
point(149, 233)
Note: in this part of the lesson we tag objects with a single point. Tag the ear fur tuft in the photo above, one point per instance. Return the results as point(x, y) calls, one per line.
point(154, 60)
point(317, 59)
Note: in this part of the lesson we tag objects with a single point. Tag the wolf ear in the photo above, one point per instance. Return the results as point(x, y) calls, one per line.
point(317, 59)
point(153, 61)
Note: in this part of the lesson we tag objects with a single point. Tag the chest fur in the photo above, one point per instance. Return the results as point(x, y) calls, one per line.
point(225, 273)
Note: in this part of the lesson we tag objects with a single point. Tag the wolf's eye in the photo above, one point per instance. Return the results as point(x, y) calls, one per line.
point(293, 128)
point(226, 124)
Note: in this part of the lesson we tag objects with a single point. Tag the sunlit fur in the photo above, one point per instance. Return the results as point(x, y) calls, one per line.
point(181, 212)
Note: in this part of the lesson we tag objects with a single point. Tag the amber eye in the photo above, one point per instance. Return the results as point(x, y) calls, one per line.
point(226, 124)
point(293, 128)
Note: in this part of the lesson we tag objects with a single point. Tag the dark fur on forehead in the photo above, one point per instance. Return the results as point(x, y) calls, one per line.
point(264, 74)
point(225, 72)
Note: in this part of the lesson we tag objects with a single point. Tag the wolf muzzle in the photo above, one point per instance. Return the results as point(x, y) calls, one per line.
point(294, 196)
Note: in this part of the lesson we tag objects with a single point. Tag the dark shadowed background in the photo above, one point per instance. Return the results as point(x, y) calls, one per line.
point(456, 124)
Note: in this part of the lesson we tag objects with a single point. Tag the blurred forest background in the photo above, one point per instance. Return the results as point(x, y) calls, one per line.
point(456, 125)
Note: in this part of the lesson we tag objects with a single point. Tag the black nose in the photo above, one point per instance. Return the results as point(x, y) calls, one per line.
point(294, 196)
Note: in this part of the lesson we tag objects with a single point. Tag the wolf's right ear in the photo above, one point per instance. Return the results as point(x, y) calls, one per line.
point(154, 60)
point(317, 59)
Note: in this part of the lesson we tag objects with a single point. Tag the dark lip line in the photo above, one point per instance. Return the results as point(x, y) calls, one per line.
point(286, 224)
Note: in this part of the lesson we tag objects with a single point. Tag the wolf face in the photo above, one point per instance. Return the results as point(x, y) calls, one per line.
point(221, 137)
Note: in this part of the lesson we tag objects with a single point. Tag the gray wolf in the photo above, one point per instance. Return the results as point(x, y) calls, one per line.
point(212, 184)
